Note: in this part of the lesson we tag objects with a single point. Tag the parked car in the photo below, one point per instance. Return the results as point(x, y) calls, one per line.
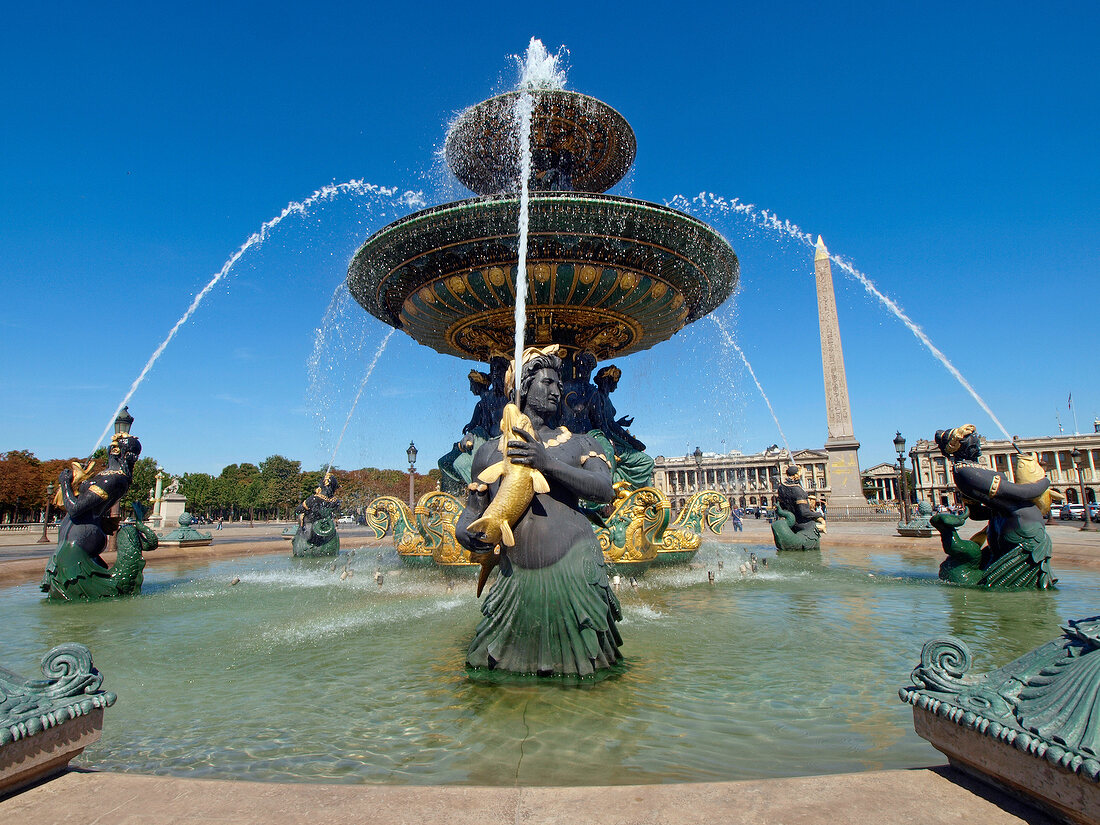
point(1072, 512)
point(346, 520)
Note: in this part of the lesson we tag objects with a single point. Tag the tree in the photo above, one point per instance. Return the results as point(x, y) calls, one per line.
point(22, 486)
point(199, 489)
point(145, 481)
point(280, 481)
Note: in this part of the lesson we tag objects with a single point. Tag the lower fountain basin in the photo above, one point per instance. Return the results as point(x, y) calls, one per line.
point(296, 675)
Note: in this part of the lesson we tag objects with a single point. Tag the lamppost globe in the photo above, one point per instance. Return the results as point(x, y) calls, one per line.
point(123, 422)
point(899, 443)
point(411, 453)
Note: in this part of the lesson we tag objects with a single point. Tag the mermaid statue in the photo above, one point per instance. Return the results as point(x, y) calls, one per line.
point(551, 610)
point(454, 467)
point(632, 468)
point(76, 571)
point(316, 535)
point(798, 523)
point(1013, 550)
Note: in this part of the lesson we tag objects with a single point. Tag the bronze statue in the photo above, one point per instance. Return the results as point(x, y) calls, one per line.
point(1014, 549)
point(76, 570)
point(316, 535)
point(551, 611)
point(798, 523)
point(632, 467)
point(454, 467)
point(577, 391)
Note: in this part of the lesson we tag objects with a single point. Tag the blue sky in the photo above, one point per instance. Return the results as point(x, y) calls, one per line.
point(947, 150)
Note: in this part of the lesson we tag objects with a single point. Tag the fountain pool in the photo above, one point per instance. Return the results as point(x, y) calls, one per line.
point(295, 675)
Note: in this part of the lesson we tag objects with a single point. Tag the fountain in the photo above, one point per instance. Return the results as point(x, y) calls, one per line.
point(801, 657)
point(600, 276)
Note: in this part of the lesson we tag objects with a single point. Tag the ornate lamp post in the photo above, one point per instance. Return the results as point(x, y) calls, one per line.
point(411, 455)
point(899, 447)
point(1079, 460)
point(46, 517)
point(123, 422)
point(698, 454)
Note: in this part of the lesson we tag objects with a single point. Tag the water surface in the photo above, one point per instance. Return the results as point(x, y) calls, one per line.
point(296, 675)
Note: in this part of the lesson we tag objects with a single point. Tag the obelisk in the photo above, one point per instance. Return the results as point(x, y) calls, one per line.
point(841, 445)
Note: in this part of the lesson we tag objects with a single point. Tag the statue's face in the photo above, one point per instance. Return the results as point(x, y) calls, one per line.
point(544, 394)
point(970, 448)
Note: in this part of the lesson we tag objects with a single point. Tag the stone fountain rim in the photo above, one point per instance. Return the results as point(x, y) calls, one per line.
point(708, 242)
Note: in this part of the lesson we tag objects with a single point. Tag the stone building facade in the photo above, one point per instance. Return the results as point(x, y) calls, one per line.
point(747, 480)
point(933, 476)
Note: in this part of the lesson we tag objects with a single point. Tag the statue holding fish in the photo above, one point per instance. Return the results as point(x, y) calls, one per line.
point(551, 610)
point(1014, 549)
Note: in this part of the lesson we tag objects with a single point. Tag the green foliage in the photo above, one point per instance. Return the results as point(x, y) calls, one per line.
point(145, 481)
point(271, 490)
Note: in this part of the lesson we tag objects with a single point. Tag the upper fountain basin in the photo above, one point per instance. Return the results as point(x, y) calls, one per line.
point(578, 143)
point(607, 274)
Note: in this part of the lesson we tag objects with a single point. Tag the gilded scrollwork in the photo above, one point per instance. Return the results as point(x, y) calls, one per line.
point(386, 514)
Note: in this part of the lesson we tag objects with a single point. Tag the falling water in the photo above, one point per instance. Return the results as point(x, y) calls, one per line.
point(539, 71)
point(729, 340)
point(525, 106)
point(326, 193)
point(770, 220)
point(362, 386)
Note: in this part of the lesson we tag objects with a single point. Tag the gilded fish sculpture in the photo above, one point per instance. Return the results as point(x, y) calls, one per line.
point(518, 485)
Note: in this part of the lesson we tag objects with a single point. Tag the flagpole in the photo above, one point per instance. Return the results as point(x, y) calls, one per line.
point(1070, 403)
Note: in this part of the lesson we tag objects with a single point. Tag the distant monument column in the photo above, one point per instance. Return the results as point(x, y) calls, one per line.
point(841, 445)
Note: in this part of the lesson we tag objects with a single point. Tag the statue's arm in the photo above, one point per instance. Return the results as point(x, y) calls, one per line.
point(83, 503)
point(590, 480)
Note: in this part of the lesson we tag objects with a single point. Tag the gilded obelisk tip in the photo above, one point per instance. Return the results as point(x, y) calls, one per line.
point(821, 252)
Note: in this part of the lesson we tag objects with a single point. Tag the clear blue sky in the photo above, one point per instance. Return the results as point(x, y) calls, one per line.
point(949, 151)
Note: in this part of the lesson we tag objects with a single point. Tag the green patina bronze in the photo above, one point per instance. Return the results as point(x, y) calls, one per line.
point(185, 534)
point(76, 571)
point(316, 534)
point(1013, 551)
point(798, 524)
point(71, 689)
point(1044, 705)
point(920, 526)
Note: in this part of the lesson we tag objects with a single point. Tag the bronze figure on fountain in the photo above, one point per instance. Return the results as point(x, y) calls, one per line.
point(76, 571)
point(798, 522)
point(1013, 550)
point(551, 611)
point(316, 534)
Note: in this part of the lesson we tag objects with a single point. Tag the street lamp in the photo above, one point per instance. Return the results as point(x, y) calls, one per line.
point(899, 447)
point(698, 468)
point(916, 481)
point(123, 422)
point(1079, 460)
point(411, 454)
point(46, 517)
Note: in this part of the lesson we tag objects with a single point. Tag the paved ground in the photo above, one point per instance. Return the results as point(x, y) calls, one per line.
point(929, 795)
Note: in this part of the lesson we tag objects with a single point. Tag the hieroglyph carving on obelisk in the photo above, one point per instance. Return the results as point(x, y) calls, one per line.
point(841, 445)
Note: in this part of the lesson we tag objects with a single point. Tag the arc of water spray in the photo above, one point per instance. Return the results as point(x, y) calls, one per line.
point(770, 220)
point(729, 340)
point(362, 386)
point(325, 193)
